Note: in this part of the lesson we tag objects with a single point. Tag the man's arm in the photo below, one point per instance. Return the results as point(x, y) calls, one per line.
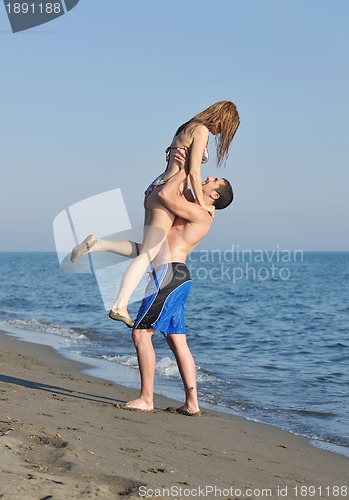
point(178, 205)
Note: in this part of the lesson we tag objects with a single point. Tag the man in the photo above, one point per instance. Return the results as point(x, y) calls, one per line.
point(162, 308)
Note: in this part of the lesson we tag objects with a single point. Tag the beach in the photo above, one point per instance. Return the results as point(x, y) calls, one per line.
point(62, 436)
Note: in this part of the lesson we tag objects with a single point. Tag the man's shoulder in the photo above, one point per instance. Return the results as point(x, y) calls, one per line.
point(198, 216)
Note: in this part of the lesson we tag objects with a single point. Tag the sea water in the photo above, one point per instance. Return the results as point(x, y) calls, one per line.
point(269, 332)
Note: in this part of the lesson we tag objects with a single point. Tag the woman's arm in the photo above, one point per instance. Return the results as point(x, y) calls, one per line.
point(200, 138)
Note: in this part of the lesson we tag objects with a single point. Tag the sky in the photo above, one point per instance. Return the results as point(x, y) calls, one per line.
point(91, 100)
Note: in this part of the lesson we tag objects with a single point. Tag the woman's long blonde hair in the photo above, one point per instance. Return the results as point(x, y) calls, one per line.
point(224, 116)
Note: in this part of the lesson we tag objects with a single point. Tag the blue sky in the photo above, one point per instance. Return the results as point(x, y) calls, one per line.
point(90, 101)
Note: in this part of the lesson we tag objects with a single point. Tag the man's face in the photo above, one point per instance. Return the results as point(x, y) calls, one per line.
point(211, 184)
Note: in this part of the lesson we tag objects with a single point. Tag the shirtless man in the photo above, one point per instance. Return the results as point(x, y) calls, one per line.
point(162, 308)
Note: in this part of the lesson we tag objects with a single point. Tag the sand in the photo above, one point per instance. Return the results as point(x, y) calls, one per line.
point(62, 437)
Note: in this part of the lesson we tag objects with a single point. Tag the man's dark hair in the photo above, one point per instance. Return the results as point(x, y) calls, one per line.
point(226, 195)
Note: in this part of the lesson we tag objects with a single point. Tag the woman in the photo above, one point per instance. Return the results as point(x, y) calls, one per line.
point(222, 120)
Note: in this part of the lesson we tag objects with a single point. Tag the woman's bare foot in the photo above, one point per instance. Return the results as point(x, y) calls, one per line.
point(84, 248)
point(121, 315)
point(137, 404)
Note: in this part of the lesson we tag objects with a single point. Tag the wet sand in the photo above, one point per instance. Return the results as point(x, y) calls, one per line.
point(62, 437)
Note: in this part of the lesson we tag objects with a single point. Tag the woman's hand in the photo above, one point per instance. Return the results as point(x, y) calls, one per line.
point(180, 156)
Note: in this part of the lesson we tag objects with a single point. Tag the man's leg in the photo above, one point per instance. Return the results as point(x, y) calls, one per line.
point(185, 361)
point(142, 340)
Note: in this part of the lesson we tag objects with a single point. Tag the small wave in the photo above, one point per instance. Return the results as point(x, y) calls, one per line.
point(36, 326)
point(336, 448)
point(202, 376)
point(127, 360)
point(310, 413)
point(337, 345)
point(166, 367)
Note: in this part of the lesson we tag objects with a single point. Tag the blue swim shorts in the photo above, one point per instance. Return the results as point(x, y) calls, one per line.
point(163, 305)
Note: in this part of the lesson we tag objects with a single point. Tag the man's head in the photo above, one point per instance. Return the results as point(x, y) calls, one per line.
point(217, 192)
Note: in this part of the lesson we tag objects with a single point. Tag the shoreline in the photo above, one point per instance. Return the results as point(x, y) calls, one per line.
point(62, 435)
point(125, 376)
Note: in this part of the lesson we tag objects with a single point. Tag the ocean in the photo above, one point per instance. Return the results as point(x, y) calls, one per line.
point(269, 332)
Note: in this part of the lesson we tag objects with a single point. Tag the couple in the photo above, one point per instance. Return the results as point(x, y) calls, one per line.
point(184, 222)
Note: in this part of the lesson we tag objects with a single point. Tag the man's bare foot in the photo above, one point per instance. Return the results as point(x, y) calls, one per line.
point(188, 412)
point(121, 315)
point(84, 248)
point(137, 404)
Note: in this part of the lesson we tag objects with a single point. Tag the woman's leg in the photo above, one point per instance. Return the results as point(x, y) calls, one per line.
point(185, 361)
point(126, 248)
point(91, 244)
